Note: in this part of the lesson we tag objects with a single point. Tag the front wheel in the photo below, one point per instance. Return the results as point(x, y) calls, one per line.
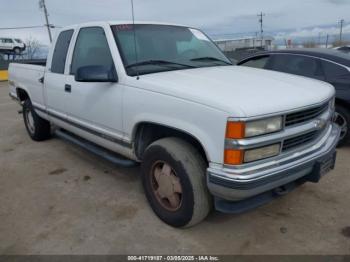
point(38, 128)
point(173, 177)
point(342, 119)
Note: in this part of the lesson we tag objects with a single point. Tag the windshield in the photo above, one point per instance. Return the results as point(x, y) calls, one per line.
point(164, 48)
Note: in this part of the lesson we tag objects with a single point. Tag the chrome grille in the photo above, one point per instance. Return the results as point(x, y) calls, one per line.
point(294, 142)
point(305, 115)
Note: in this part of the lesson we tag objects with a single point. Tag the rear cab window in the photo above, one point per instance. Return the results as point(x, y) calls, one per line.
point(60, 52)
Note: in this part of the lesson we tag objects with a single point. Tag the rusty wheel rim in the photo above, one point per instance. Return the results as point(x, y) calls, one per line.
point(166, 186)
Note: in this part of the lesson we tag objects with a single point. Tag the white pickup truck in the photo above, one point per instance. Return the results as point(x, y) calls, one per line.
point(207, 133)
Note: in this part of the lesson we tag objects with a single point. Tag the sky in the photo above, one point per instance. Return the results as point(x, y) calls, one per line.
point(218, 18)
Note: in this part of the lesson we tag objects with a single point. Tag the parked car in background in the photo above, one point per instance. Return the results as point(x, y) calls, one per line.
point(12, 44)
point(327, 65)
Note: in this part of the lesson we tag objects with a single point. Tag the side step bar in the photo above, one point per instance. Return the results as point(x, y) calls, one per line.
point(97, 150)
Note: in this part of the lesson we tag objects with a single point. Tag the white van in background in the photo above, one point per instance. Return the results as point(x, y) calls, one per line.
point(12, 44)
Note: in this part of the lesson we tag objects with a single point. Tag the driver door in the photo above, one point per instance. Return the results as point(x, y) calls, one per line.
point(94, 107)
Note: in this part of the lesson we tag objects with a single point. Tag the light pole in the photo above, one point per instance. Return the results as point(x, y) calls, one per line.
point(261, 15)
point(341, 31)
point(42, 5)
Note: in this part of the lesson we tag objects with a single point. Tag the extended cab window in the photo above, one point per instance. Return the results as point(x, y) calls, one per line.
point(91, 49)
point(256, 62)
point(60, 52)
point(297, 65)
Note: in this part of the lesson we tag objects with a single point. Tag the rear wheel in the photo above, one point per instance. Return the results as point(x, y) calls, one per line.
point(38, 128)
point(173, 176)
point(342, 118)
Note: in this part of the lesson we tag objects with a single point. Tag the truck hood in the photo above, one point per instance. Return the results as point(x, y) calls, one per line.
point(238, 90)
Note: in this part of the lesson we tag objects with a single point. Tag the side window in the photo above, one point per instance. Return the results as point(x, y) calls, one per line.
point(8, 40)
point(60, 52)
point(256, 62)
point(91, 49)
point(334, 71)
point(298, 65)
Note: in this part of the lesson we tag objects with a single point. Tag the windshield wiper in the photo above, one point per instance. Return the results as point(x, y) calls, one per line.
point(209, 58)
point(159, 62)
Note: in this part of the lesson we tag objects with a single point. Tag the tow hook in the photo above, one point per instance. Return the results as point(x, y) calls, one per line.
point(281, 191)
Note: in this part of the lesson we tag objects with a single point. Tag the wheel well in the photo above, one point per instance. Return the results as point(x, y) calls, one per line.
point(22, 94)
point(147, 133)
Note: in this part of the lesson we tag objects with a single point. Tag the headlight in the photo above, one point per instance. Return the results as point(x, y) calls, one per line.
point(261, 153)
point(265, 126)
point(239, 130)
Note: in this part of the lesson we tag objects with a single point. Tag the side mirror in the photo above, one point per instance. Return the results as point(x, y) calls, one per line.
point(96, 74)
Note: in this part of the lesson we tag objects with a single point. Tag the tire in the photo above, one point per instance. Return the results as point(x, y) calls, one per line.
point(342, 118)
point(188, 170)
point(38, 129)
point(17, 50)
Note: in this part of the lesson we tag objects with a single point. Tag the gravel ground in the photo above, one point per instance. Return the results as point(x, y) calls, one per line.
point(56, 198)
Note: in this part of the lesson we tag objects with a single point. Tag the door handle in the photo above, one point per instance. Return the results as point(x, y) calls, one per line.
point(68, 88)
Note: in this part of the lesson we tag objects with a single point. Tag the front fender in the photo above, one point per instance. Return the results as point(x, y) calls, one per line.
point(204, 123)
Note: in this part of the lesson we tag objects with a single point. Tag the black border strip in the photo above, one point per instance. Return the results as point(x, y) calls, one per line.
point(173, 257)
point(93, 132)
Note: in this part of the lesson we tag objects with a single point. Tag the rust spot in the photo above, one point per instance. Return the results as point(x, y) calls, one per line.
point(58, 171)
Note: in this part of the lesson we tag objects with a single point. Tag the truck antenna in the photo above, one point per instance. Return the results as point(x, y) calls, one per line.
point(134, 30)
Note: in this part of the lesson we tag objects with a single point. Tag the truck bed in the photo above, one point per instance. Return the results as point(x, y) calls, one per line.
point(27, 76)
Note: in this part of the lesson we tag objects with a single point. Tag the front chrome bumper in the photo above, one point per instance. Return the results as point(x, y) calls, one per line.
point(239, 184)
